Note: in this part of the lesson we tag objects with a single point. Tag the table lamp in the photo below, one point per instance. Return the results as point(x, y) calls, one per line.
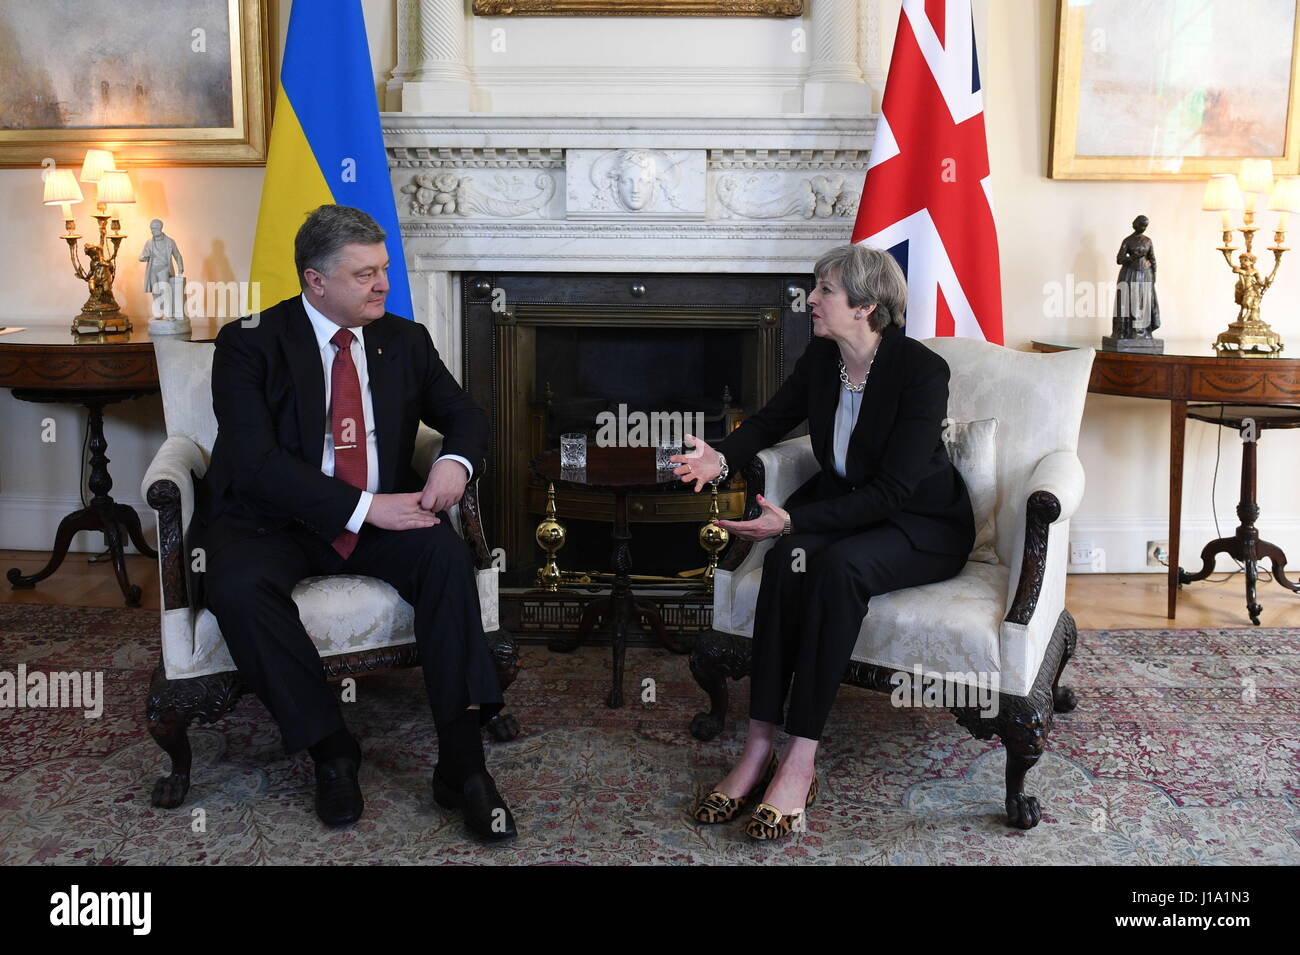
point(1249, 336)
point(101, 312)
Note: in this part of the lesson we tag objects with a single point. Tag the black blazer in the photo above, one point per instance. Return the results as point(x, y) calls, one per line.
point(268, 393)
point(896, 465)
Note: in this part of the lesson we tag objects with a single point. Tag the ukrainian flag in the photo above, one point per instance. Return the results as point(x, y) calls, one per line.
point(326, 146)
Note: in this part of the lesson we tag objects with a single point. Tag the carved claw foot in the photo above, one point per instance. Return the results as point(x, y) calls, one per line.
point(503, 727)
point(1023, 811)
point(705, 726)
point(170, 791)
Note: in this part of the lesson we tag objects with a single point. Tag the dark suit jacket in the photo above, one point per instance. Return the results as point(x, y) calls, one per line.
point(268, 393)
point(897, 467)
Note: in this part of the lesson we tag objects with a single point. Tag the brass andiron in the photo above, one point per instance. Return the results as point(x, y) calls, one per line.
point(712, 538)
point(550, 536)
point(1249, 336)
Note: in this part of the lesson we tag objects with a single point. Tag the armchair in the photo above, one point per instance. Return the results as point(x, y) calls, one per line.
point(357, 623)
point(1003, 621)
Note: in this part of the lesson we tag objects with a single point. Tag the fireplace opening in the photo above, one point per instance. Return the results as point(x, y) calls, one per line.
point(588, 377)
point(551, 353)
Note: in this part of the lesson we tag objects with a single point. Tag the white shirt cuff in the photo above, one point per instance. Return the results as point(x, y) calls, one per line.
point(456, 457)
point(359, 515)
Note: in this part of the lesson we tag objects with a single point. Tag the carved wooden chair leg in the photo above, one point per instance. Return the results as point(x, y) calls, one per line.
point(171, 707)
point(716, 657)
point(1063, 698)
point(505, 656)
point(1024, 746)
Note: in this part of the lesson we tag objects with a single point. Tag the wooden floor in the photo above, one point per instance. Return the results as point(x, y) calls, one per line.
point(1098, 601)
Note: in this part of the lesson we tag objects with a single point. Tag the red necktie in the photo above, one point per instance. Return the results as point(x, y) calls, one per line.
point(348, 425)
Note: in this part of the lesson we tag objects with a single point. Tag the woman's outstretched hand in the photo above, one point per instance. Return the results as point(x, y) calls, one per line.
point(701, 465)
point(769, 523)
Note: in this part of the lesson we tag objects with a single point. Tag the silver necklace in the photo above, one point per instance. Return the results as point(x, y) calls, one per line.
point(856, 387)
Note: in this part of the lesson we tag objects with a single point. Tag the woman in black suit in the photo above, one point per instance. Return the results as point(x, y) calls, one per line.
point(887, 511)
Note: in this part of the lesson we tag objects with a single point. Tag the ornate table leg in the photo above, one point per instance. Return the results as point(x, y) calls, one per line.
point(1177, 431)
point(1245, 546)
point(622, 601)
point(102, 514)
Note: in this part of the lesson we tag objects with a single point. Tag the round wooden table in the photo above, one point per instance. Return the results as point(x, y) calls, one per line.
point(45, 362)
point(617, 470)
point(1189, 370)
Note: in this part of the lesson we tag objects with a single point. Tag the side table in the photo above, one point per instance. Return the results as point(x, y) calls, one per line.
point(618, 471)
point(1245, 546)
point(46, 363)
point(1188, 370)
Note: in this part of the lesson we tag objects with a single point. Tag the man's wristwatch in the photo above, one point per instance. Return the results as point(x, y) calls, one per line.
point(787, 529)
point(722, 475)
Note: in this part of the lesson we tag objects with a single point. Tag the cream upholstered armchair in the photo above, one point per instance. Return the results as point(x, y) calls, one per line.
point(1001, 623)
point(358, 624)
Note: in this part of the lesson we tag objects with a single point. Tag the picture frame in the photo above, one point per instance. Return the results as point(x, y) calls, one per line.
point(638, 8)
point(1187, 94)
point(113, 81)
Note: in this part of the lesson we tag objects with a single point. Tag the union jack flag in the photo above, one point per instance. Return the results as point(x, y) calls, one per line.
point(927, 198)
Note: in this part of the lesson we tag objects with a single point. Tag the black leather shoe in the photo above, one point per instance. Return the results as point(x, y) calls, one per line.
point(486, 813)
point(338, 795)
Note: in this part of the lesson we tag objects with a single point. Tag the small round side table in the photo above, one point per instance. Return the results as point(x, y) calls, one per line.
point(1245, 545)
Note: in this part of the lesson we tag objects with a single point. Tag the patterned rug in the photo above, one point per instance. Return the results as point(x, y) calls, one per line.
point(1183, 750)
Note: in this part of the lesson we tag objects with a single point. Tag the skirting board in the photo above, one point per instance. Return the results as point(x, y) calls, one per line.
point(1124, 539)
point(29, 522)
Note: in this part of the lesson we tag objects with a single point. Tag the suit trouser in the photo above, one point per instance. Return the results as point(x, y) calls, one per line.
point(249, 583)
point(811, 602)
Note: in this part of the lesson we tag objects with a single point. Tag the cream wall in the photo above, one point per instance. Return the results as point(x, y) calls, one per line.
point(1048, 231)
point(212, 213)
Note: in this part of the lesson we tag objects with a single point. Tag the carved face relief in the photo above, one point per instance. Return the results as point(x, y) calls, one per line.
point(635, 174)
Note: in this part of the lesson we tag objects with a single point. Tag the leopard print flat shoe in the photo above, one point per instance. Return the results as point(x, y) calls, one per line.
point(768, 823)
point(718, 807)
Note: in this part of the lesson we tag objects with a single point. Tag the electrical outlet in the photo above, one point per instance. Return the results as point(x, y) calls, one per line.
point(1081, 552)
point(1157, 553)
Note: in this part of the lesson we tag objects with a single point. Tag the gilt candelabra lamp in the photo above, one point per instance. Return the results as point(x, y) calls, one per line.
point(1249, 336)
point(101, 313)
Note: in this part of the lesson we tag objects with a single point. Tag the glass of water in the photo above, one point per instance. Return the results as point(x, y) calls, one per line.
point(573, 450)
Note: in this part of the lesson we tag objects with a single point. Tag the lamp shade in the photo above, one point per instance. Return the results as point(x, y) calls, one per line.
point(61, 187)
point(1286, 195)
point(1222, 194)
point(97, 161)
point(1255, 175)
point(115, 188)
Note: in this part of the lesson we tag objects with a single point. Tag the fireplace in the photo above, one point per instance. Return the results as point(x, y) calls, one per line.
point(530, 267)
point(548, 353)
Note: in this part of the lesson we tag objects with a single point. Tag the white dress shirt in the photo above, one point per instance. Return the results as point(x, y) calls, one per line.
point(326, 330)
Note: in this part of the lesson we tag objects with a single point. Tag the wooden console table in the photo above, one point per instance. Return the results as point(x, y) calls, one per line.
point(1187, 371)
point(46, 363)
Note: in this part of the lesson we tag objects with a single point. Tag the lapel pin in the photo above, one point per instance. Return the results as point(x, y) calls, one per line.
point(379, 351)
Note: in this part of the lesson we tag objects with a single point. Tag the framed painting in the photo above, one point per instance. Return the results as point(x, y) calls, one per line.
point(1175, 89)
point(638, 8)
point(186, 82)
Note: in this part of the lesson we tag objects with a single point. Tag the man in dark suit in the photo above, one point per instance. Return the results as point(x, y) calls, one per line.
point(318, 401)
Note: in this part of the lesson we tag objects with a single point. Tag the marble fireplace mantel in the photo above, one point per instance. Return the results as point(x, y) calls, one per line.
point(633, 193)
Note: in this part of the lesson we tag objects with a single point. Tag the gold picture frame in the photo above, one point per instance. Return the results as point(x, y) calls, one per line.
point(638, 8)
point(238, 138)
point(1196, 129)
